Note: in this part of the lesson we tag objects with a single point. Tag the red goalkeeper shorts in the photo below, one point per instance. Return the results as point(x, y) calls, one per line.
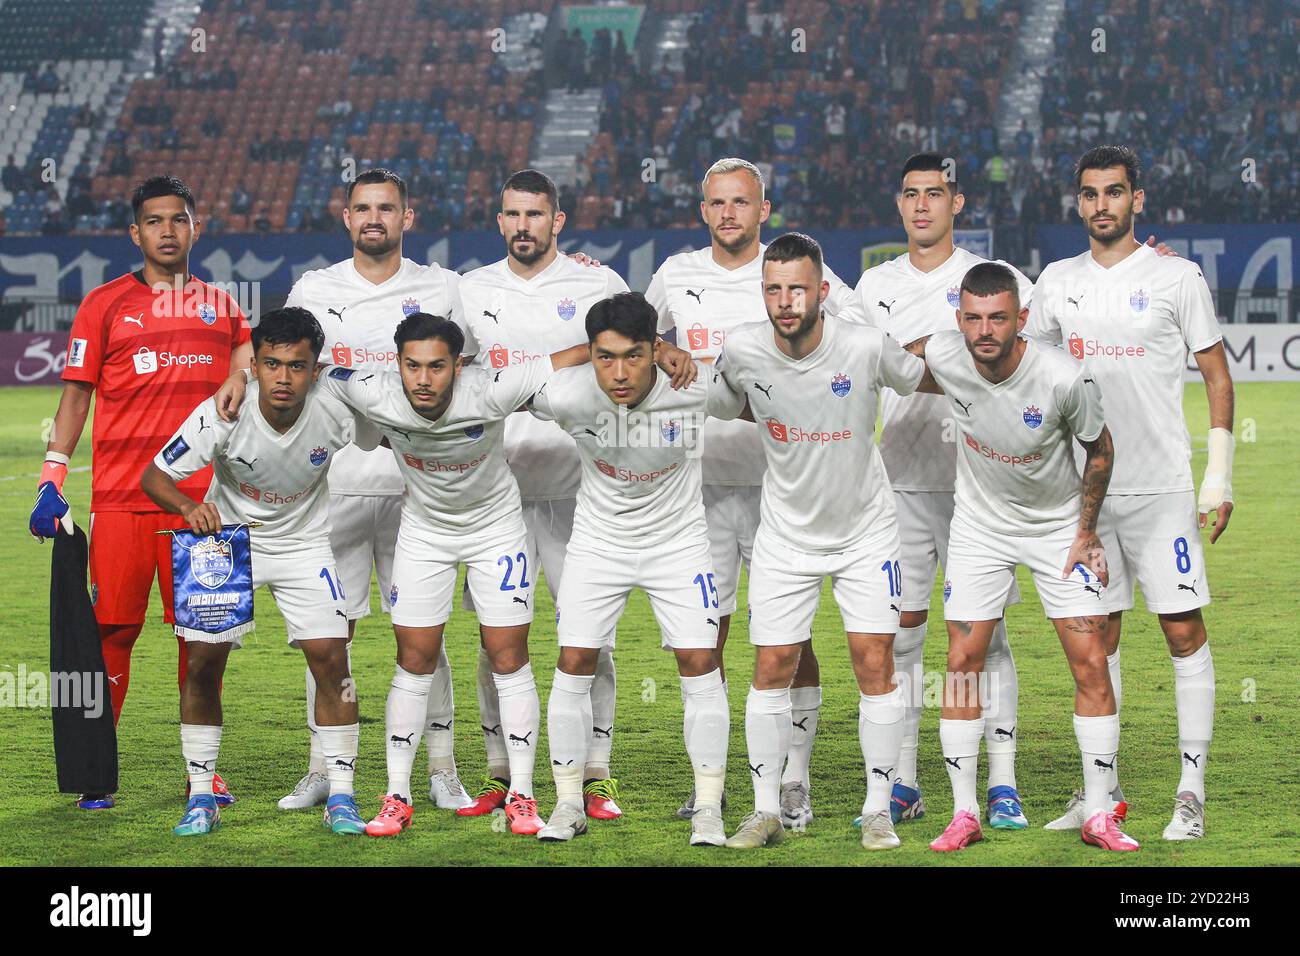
point(125, 555)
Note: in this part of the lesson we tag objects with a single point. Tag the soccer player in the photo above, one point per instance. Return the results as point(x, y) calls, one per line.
point(359, 302)
point(524, 307)
point(639, 523)
point(270, 466)
point(701, 297)
point(1020, 405)
point(145, 345)
point(827, 509)
point(909, 297)
point(1132, 317)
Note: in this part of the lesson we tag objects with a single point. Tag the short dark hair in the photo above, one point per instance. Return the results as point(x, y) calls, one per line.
point(156, 186)
point(1104, 157)
point(930, 162)
point(286, 326)
point(628, 314)
point(991, 278)
point(421, 326)
point(378, 175)
point(792, 246)
point(534, 181)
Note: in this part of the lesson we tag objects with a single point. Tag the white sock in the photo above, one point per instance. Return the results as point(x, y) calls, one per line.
point(805, 705)
point(706, 728)
point(909, 643)
point(199, 746)
point(568, 732)
point(1194, 698)
point(1001, 711)
point(403, 722)
point(880, 732)
point(489, 715)
point(521, 716)
point(960, 742)
point(1098, 743)
point(1112, 665)
point(317, 762)
point(602, 717)
point(767, 736)
point(439, 718)
point(340, 745)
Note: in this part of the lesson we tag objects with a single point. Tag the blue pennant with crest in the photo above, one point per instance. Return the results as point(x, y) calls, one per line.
point(212, 583)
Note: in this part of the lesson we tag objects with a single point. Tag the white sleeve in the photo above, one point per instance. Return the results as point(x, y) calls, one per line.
point(1195, 305)
point(1042, 324)
point(297, 297)
point(1026, 288)
point(1081, 408)
point(899, 369)
point(456, 312)
point(614, 283)
point(542, 404)
point(364, 433)
point(343, 384)
point(722, 401)
point(842, 302)
point(194, 444)
point(511, 389)
point(657, 295)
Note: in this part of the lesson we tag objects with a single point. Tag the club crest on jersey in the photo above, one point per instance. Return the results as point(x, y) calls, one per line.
point(947, 590)
point(566, 309)
point(207, 313)
point(392, 596)
point(841, 384)
point(954, 296)
point(211, 562)
point(410, 306)
point(1033, 416)
point(341, 373)
point(1139, 299)
point(473, 432)
point(670, 431)
point(318, 456)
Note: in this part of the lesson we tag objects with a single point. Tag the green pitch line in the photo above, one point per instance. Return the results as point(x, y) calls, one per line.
point(1251, 780)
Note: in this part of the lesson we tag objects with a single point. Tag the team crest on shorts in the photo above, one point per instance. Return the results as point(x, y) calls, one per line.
point(954, 296)
point(211, 562)
point(318, 456)
point(1033, 416)
point(207, 313)
point(670, 431)
point(947, 589)
point(1139, 299)
point(410, 306)
point(566, 309)
point(473, 432)
point(392, 596)
point(841, 384)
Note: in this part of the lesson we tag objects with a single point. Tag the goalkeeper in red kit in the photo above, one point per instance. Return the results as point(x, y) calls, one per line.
point(149, 346)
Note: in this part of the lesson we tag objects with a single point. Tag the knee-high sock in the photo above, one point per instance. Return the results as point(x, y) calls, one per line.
point(568, 730)
point(1098, 739)
point(439, 718)
point(403, 723)
point(880, 733)
point(117, 641)
point(767, 736)
point(602, 717)
point(339, 747)
point(960, 742)
point(316, 763)
point(805, 705)
point(1112, 665)
point(707, 731)
point(521, 716)
point(199, 746)
point(489, 715)
point(1194, 698)
point(909, 643)
point(1000, 714)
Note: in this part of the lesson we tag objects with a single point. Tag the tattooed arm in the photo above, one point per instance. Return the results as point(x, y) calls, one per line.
point(928, 384)
point(1087, 549)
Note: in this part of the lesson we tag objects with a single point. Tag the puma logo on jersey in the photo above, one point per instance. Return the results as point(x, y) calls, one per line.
point(493, 315)
point(1189, 587)
point(887, 308)
point(337, 313)
point(697, 295)
point(1089, 381)
point(365, 378)
point(591, 433)
point(202, 425)
point(496, 378)
point(405, 434)
point(965, 406)
point(1075, 302)
point(248, 464)
point(765, 389)
point(138, 320)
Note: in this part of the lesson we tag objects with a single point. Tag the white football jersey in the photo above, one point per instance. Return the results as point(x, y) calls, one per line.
point(909, 304)
point(262, 475)
point(518, 320)
point(1015, 461)
point(704, 302)
point(825, 486)
point(1132, 326)
point(457, 479)
point(359, 319)
point(641, 482)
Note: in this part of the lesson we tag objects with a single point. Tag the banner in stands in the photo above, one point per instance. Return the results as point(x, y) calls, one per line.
point(589, 19)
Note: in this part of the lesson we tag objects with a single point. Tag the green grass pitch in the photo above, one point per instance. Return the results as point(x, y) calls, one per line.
point(1252, 779)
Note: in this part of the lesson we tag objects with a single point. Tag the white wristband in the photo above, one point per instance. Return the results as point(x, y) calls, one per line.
point(57, 457)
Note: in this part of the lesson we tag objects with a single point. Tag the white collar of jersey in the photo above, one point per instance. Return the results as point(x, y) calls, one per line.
point(1030, 357)
point(555, 265)
point(905, 261)
point(753, 265)
point(359, 279)
point(828, 334)
point(1138, 255)
point(280, 438)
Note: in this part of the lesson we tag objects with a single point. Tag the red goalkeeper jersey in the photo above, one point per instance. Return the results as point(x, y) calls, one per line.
point(151, 356)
